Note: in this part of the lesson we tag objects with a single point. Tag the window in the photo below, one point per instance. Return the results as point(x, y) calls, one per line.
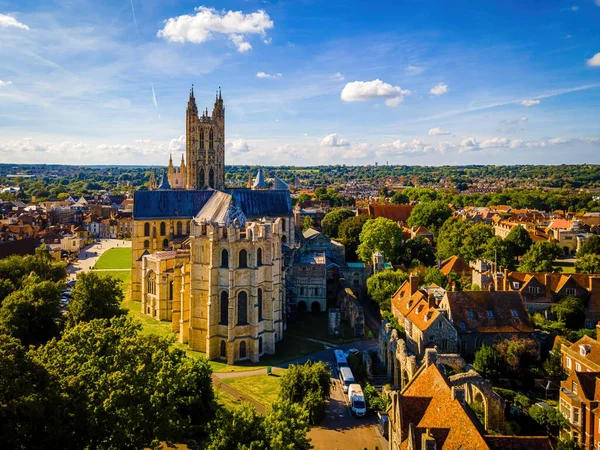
point(146, 229)
point(259, 257)
point(356, 276)
point(171, 290)
point(202, 138)
point(260, 304)
point(260, 345)
point(568, 362)
point(490, 314)
point(576, 416)
point(224, 259)
point(242, 308)
point(151, 284)
point(534, 289)
point(243, 258)
point(301, 291)
point(574, 387)
point(242, 349)
point(516, 285)
point(146, 243)
point(165, 243)
point(565, 409)
point(316, 292)
point(463, 326)
point(470, 314)
point(571, 291)
point(223, 349)
point(577, 367)
point(444, 345)
point(224, 308)
point(163, 228)
point(515, 314)
point(179, 228)
point(211, 138)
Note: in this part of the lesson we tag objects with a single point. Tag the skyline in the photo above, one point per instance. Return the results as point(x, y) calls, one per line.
point(304, 83)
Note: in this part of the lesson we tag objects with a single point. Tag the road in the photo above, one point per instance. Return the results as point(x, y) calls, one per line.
point(89, 255)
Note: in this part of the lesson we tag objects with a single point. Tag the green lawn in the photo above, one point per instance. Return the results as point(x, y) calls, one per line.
point(225, 400)
point(566, 266)
point(115, 258)
point(123, 275)
point(264, 389)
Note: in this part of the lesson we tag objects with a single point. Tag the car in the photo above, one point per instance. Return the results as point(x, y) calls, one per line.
point(71, 283)
point(353, 351)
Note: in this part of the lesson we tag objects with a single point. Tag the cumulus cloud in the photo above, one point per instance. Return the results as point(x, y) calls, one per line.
point(439, 89)
point(530, 102)
point(10, 22)
point(594, 61)
point(416, 147)
point(338, 76)
point(238, 146)
point(178, 144)
point(268, 75)
point(334, 140)
point(362, 91)
point(437, 131)
point(5, 83)
point(497, 142)
point(414, 70)
point(468, 145)
point(28, 145)
point(208, 22)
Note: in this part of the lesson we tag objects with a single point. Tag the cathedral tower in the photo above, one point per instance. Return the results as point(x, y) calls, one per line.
point(205, 145)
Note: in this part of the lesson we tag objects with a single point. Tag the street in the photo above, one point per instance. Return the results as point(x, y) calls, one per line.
point(88, 256)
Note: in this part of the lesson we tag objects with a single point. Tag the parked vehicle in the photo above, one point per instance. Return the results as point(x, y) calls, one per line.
point(357, 400)
point(346, 377)
point(341, 359)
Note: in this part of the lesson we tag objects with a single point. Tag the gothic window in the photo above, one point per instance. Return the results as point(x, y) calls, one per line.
point(146, 229)
point(165, 243)
point(356, 278)
point(151, 283)
point(179, 229)
point(223, 349)
point(242, 308)
point(211, 138)
point(202, 138)
point(260, 345)
point(211, 178)
point(283, 239)
point(188, 227)
point(224, 308)
point(316, 292)
point(259, 257)
point(163, 228)
point(301, 291)
point(224, 259)
point(243, 258)
point(171, 285)
point(146, 243)
point(243, 349)
point(201, 182)
point(478, 342)
point(260, 304)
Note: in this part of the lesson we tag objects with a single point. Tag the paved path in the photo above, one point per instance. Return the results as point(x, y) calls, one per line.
point(88, 256)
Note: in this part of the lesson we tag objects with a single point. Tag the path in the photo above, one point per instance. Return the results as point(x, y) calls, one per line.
point(89, 255)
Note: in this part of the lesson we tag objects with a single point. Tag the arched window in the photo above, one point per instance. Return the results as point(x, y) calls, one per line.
point(201, 180)
point(301, 291)
point(165, 243)
point(243, 349)
point(316, 291)
point(179, 228)
point(223, 349)
point(151, 283)
point(224, 308)
point(146, 243)
point(211, 138)
point(202, 138)
point(146, 229)
point(163, 228)
point(283, 239)
point(260, 305)
point(260, 345)
point(211, 178)
point(283, 225)
point(243, 258)
point(259, 257)
point(154, 232)
point(224, 259)
point(242, 308)
point(171, 285)
point(188, 227)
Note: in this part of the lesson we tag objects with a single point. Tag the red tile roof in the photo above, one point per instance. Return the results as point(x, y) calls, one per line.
point(397, 213)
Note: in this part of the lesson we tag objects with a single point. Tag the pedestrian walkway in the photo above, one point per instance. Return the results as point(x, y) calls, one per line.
point(237, 394)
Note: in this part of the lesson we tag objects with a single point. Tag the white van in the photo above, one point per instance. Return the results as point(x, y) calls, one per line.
point(358, 403)
point(346, 377)
point(341, 359)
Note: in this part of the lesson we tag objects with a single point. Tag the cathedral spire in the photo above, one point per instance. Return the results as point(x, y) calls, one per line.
point(192, 108)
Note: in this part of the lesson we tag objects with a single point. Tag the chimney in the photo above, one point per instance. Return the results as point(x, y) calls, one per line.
point(548, 284)
point(431, 300)
point(505, 280)
point(458, 394)
point(414, 283)
point(430, 356)
point(594, 285)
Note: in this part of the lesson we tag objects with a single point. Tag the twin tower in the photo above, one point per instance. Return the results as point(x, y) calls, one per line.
point(204, 149)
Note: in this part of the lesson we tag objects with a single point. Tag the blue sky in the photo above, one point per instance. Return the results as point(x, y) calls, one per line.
point(304, 82)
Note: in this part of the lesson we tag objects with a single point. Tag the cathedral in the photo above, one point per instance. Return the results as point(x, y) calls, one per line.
point(208, 258)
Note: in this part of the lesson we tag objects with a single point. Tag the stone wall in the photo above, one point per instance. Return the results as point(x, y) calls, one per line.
point(351, 309)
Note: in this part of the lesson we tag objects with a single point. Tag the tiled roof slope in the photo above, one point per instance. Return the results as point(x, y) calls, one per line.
point(397, 213)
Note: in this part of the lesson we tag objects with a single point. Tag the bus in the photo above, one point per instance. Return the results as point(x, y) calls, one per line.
point(341, 359)
point(346, 377)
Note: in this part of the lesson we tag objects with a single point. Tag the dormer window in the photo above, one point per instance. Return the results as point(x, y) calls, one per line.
point(490, 314)
point(584, 349)
point(516, 285)
point(470, 314)
point(515, 314)
point(463, 326)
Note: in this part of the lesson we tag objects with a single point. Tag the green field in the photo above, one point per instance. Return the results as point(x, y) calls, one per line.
point(123, 275)
point(115, 258)
point(263, 389)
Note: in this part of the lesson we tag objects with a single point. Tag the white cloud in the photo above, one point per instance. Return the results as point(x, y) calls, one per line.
point(238, 146)
point(268, 75)
point(530, 102)
point(468, 145)
point(334, 140)
point(597, 2)
point(414, 70)
point(177, 144)
point(267, 41)
point(9, 21)
point(5, 83)
point(416, 147)
point(497, 142)
point(594, 61)
point(143, 141)
point(362, 91)
point(437, 131)
point(574, 8)
point(338, 76)
point(557, 141)
point(439, 89)
point(208, 22)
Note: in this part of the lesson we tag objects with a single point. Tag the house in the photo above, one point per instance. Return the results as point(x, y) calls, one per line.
point(423, 232)
point(578, 402)
point(314, 209)
point(484, 317)
point(397, 213)
point(581, 356)
point(457, 265)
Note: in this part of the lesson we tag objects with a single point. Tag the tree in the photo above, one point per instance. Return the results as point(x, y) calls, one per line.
point(419, 252)
point(451, 237)
point(539, 257)
point(567, 444)
point(570, 311)
point(382, 285)
point(399, 198)
point(349, 233)
point(488, 362)
point(125, 389)
point(549, 417)
point(553, 365)
point(95, 297)
point(476, 241)
point(286, 426)
point(308, 385)
point(429, 214)
point(332, 220)
point(591, 246)
point(589, 263)
point(304, 197)
point(518, 241)
point(32, 313)
point(307, 223)
point(518, 354)
point(381, 235)
point(433, 275)
point(498, 250)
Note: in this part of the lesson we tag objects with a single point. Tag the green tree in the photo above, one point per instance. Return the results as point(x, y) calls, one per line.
point(382, 285)
point(286, 426)
point(539, 257)
point(476, 241)
point(567, 444)
point(332, 220)
point(429, 214)
point(95, 297)
point(419, 252)
point(349, 233)
point(433, 275)
point(518, 354)
point(488, 362)
point(399, 198)
point(551, 417)
point(589, 263)
point(518, 241)
point(591, 246)
point(553, 365)
point(498, 250)
point(125, 389)
point(307, 223)
point(381, 235)
point(451, 237)
point(570, 311)
point(304, 197)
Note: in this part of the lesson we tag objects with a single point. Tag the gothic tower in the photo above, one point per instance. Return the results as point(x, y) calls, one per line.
point(205, 145)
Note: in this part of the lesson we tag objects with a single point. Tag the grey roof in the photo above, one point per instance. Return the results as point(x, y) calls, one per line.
point(259, 181)
point(162, 204)
point(221, 208)
point(311, 233)
point(280, 185)
point(164, 183)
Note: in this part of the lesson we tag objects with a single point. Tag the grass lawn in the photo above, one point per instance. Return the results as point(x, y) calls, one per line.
point(261, 388)
point(115, 258)
point(225, 400)
point(315, 326)
point(566, 266)
point(123, 275)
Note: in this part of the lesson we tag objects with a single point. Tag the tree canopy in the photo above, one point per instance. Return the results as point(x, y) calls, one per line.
point(349, 233)
point(429, 214)
point(332, 220)
point(518, 241)
point(382, 285)
point(94, 297)
point(381, 235)
point(589, 263)
point(591, 246)
point(539, 257)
